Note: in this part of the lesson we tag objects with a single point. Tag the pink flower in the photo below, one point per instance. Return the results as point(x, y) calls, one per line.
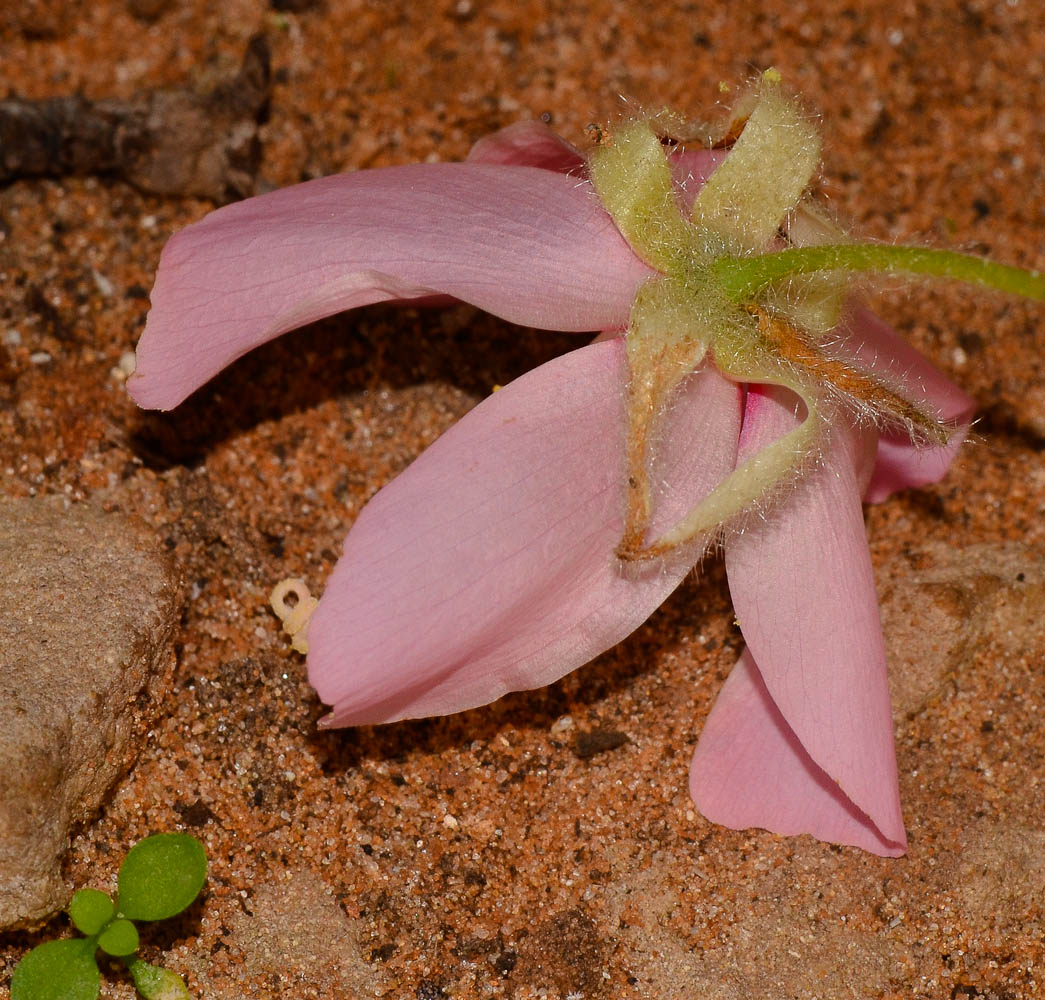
point(490, 565)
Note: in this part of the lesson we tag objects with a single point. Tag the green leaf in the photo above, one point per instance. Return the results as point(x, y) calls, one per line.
point(160, 876)
point(58, 970)
point(156, 983)
point(90, 910)
point(119, 938)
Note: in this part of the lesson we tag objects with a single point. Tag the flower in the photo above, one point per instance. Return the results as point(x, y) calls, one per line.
point(553, 519)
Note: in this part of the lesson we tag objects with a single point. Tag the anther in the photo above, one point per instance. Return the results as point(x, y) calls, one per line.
point(293, 605)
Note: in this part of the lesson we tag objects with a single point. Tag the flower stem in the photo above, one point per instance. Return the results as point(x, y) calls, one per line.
point(744, 277)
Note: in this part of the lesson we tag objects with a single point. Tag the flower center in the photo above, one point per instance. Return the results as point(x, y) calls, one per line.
point(709, 303)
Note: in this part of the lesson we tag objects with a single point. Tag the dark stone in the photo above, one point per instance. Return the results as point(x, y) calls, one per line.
point(596, 741)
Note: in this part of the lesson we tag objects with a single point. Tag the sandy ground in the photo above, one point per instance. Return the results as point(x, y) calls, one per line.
point(482, 856)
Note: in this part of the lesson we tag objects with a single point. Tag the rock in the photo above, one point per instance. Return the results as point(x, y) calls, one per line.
point(955, 605)
point(88, 605)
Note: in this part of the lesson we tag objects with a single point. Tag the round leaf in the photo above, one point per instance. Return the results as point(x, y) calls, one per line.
point(156, 983)
point(90, 910)
point(58, 970)
point(119, 938)
point(160, 876)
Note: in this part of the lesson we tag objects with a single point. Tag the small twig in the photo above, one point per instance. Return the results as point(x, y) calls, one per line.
point(174, 142)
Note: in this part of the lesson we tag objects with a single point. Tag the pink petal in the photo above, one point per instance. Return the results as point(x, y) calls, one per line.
point(751, 770)
point(689, 169)
point(900, 463)
point(529, 144)
point(488, 566)
point(533, 144)
point(803, 591)
point(529, 245)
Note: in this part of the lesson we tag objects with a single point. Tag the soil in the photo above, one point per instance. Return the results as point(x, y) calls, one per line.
point(483, 855)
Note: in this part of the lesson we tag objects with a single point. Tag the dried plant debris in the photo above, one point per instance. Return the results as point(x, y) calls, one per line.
point(39, 20)
point(170, 142)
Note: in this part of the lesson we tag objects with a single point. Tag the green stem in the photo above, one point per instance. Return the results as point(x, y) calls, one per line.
point(744, 277)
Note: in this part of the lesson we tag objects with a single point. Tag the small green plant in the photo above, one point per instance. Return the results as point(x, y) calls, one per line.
point(159, 878)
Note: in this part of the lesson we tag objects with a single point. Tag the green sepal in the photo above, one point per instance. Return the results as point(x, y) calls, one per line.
point(760, 314)
point(120, 938)
point(90, 910)
point(632, 178)
point(161, 876)
point(57, 970)
point(156, 983)
point(765, 174)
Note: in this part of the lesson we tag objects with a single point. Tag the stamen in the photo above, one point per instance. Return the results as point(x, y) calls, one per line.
point(293, 605)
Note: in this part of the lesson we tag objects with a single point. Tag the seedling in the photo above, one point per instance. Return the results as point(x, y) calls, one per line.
point(159, 878)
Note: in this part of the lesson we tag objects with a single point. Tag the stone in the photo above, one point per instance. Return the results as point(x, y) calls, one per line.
point(88, 606)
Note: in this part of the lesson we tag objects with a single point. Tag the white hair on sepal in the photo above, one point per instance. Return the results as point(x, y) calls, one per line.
point(918, 422)
point(777, 492)
point(766, 505)
point(777, 338)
